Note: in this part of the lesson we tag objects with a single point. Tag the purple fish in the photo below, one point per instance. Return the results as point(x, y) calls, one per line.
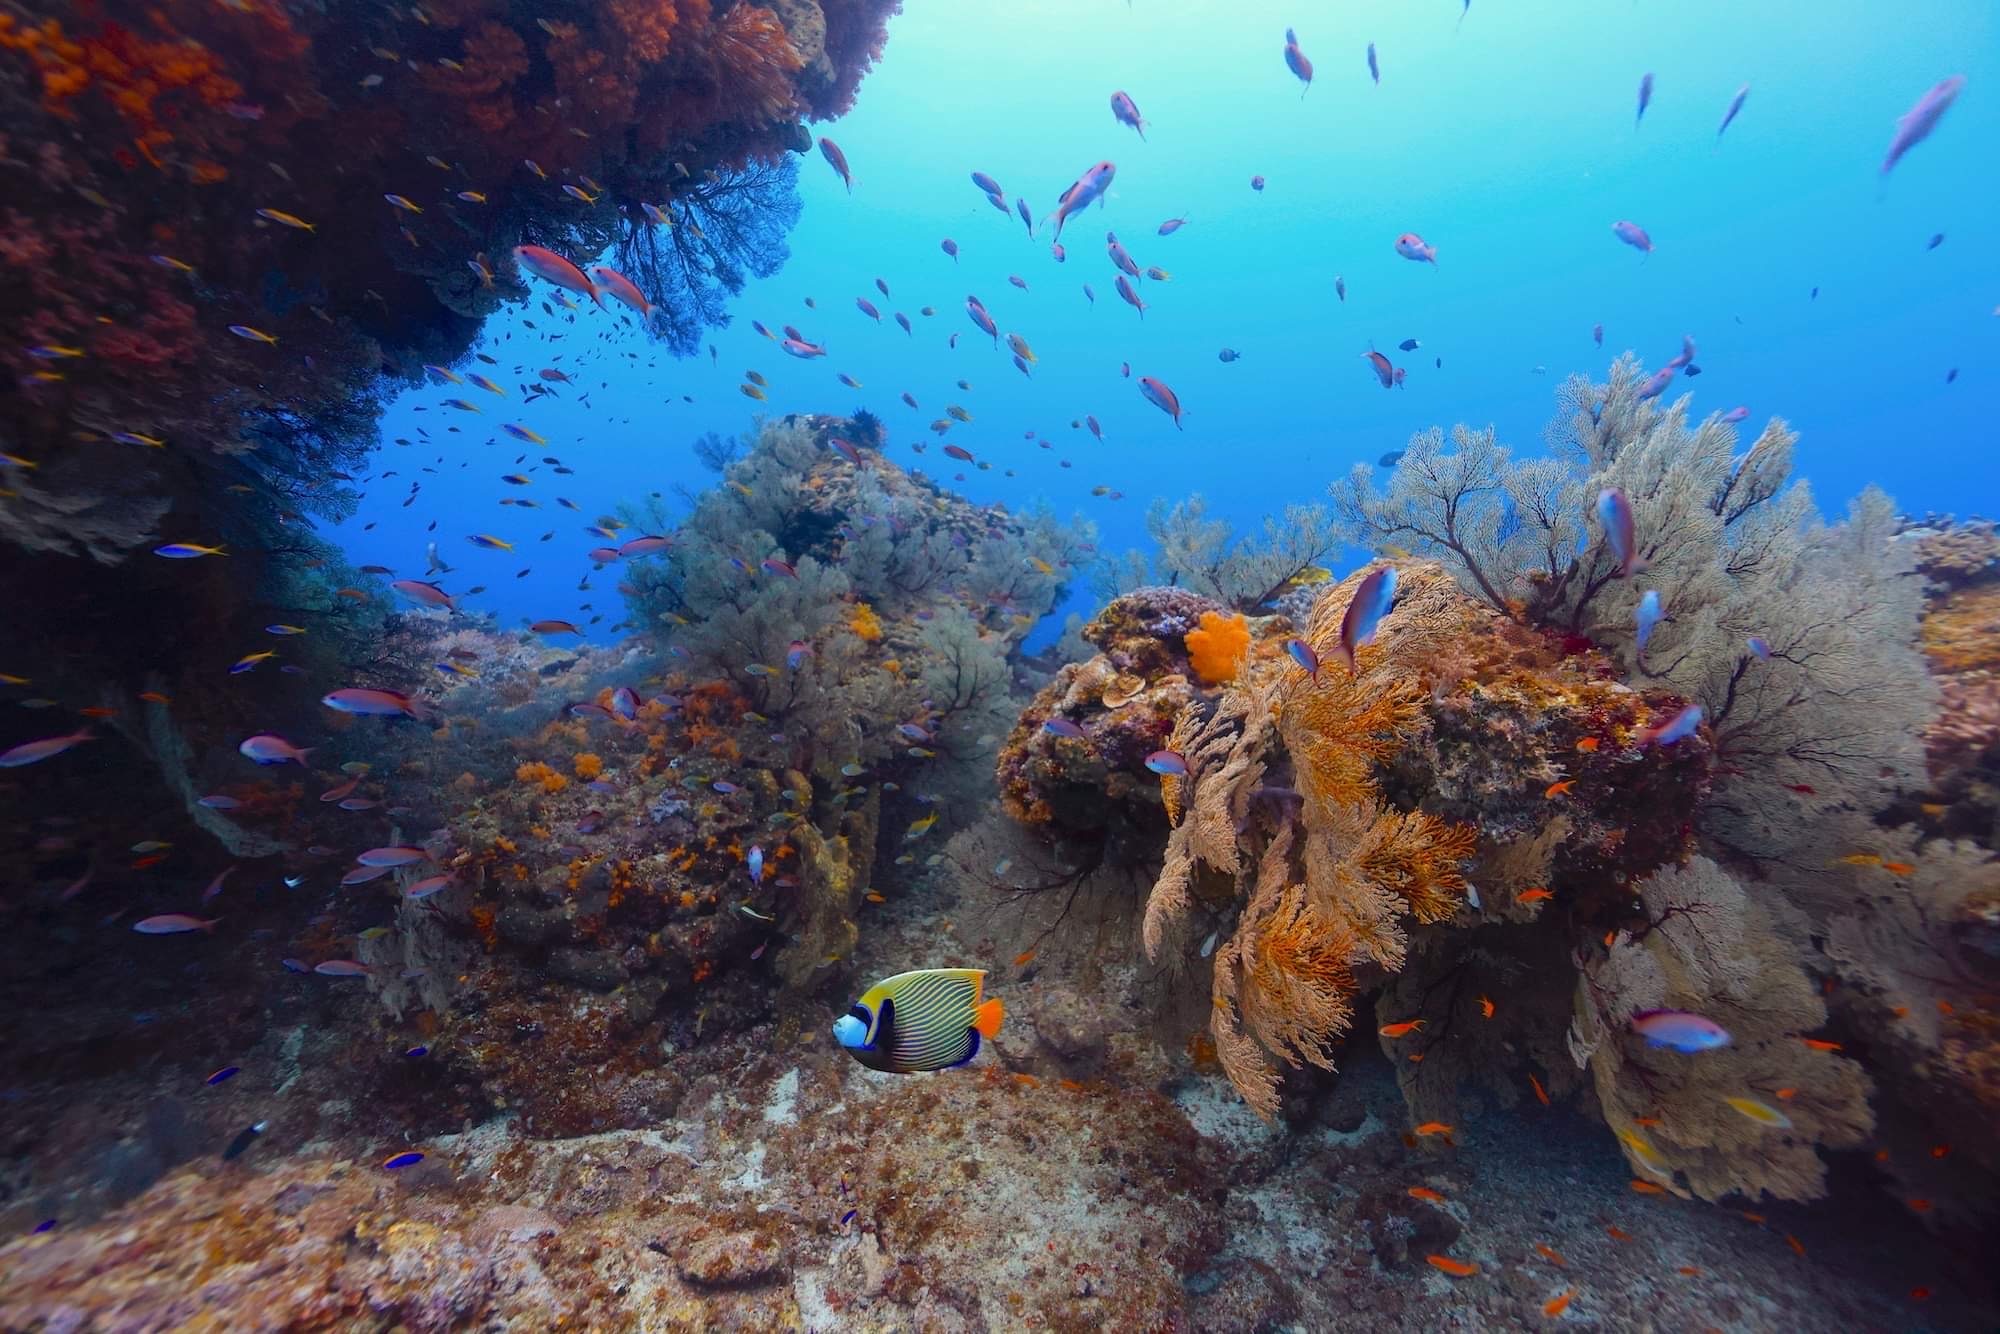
point(1735, 105)
point(412, 1158)
point(1064, 727)
point(1917, 123)
point(1657, 384)
point(1126, 112)
point(341, 968)
point(1302, 653)
point(1680, 1030)
point(361, 875)
point(394, 856)
point(1760, 646)
point(1645, 97)
point(867, 307)
point(33, 751)
point(950, 247)
point(1088, 189)
point(1296, 62)
point(1170, 762)
point(1614, 514)
point(426, 887)
point(1632, 234)
point(1736, 414)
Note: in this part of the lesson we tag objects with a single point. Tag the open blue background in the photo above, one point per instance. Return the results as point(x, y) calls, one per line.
point(1507, 141)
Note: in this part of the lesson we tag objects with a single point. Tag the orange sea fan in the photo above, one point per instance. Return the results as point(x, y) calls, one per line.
point(1416, 856)
point(1339, 727)
point(1217, 647)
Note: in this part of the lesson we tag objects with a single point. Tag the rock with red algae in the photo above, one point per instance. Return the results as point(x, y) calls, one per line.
point(733, 1258)
point(1084, 784)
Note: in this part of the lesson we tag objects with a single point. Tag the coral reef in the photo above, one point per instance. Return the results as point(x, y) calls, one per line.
point(1476, 827)
point(1825, 715)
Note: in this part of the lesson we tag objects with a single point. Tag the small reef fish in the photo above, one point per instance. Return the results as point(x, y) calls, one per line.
point(244, 1139)
point(1735, 105)
point(1374, 67)
point(1680, 1030)
point(187, 551)
point(33, 752)
point(551, 267)
point(929, 1019)
point(1645, 97)
point(1647, 617)
point(1677, 728)
point(1614, 515)
point(1065, 728)
point(265, 748)
point(838, 161)
point(392, 856)
point(1762, 1113)
point(402, 1160)
point(1169, 762)
point(1456, 1268)
point(1160, 396)
point(1089, 188)
point(1126, 112)
point(173, 923)
point(1402, 1029)
point(1370, 603)
point(1302, 69)
point(428, 594)
point(370, 702)
point(1411, 246)
point(1916, 124)
point(1632, 234)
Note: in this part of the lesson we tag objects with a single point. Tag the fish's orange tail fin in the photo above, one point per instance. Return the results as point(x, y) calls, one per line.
point(987, 1018)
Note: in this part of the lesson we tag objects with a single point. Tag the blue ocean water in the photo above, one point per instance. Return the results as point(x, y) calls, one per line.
point(1503, 134)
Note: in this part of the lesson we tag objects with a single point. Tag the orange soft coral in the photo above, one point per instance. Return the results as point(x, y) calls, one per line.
point(536, 772)
point(865, 624)
point(1216, 649)
point(587, 766)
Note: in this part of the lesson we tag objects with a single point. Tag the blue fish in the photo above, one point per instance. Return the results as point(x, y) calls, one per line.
point(1371, 602)
point(1680, 1030)
point(1648, 616)
point(1677, 728)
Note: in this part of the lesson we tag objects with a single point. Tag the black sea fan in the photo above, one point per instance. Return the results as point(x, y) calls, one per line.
point(866, 427)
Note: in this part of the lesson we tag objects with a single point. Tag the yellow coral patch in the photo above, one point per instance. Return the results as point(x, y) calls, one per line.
point(587, 766)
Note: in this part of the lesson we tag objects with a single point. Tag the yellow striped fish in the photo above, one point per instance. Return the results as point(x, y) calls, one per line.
point(930, 1019)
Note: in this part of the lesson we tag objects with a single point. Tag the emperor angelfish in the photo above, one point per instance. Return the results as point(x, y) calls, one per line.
point(930, 1019)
